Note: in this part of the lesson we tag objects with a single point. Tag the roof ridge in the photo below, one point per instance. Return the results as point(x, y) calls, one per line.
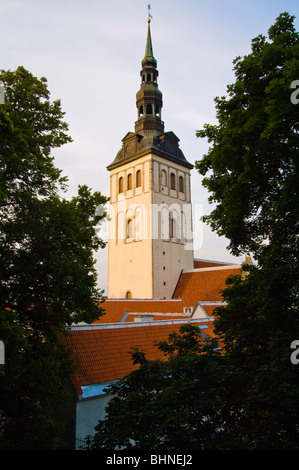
point(105, 326)
point(213, 268)
point(142, 300)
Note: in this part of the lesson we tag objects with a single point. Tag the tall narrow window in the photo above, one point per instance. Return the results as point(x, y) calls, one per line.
point(172, 181)
point(121, 185)
point(138, 178)
point(129, 181)
point(181, 184)
point(163, 178)
point(130, 228)
point(128, 294)
point(172, 227)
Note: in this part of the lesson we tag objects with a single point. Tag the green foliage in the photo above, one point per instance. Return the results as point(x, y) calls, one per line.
point(165, 405)
point(251, 170)
point(47, 272)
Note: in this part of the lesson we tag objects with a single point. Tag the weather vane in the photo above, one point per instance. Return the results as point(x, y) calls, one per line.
point(149, 13)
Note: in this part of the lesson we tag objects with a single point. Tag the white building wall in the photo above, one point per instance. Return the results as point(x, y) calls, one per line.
point(148, 263)
point(88, 413)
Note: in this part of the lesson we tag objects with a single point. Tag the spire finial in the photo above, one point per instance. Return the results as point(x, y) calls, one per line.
point(149, 13)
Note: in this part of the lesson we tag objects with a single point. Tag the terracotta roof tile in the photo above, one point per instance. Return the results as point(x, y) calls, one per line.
point(203, 284)
point(205, 263)
point(116, 308)
point(102, 354)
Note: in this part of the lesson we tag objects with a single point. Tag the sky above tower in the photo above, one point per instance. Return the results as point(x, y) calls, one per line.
point(90, 51)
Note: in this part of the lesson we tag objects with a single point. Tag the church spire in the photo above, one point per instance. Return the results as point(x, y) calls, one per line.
point(149, 47)
point(149, 98)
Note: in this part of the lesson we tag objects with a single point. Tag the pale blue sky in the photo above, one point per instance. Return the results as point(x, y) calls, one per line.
point(91, 50)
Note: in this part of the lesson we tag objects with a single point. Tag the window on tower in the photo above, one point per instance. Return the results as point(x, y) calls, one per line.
point(149, 109)
point(172, 181)
point(121, 185)
point(172, 227)
point(138, 178)
point(130, 228)
point(163, 178)
point(128, 294)
point(129, 181)
point(181, 184)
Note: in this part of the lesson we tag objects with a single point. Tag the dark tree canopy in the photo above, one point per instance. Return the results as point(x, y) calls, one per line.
point(47, 268)
point(251, 169)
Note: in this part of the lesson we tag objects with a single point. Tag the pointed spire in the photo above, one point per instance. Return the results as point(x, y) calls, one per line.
point(149, 46)
point(149, 58)
point(149, 98)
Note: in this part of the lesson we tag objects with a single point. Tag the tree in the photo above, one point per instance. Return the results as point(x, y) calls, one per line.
point(167, 405)
point(251, 171)
point(48, 276)
point(251, 168)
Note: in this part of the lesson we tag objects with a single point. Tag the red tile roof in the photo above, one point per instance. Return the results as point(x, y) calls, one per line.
point(204, 284)
point(205, 263)
point(116, 308)
point(101, 353)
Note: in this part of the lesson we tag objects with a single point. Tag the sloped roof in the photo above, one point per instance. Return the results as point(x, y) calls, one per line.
point(204, 284)
point(157, 316)
point(101, 353)
point(207, 263)
point(116, 308)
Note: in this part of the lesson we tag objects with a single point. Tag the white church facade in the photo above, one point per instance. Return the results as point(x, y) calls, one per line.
point(150, 233)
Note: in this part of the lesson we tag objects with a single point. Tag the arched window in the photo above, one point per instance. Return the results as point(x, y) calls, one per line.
point(172, 181)
point(129, 181)
point(121, 185)
point(141, 111)
point(163, 178)
point(172, 227)
point(181, 184)
point(149, 109)
point(149, 77)
point(128, 294)
point(130, 228)
point(138, 178)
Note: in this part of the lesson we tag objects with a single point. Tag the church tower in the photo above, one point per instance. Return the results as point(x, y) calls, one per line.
point(150, 229)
